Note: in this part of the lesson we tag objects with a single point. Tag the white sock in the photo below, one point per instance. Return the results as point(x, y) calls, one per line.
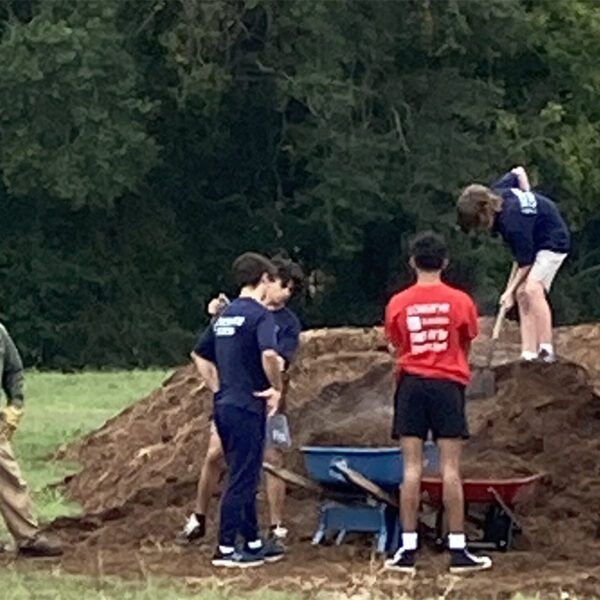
point(191, 524)
point(226, 549)
point(409, 540)
point(255, 545)
point(456, 541)
point(549, 348)
point(528, 355)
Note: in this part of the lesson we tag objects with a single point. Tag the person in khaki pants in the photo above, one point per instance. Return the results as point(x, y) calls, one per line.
point(15, 501)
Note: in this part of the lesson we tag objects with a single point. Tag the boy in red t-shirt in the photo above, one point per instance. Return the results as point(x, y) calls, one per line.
point(431, 325)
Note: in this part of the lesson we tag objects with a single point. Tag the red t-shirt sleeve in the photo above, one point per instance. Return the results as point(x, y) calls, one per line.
point(471, 324)
point(392, 332)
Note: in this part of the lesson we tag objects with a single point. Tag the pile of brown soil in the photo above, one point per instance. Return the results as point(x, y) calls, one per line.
point(139, 471)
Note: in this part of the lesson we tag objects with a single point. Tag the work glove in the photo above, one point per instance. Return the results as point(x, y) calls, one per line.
point(11, 416)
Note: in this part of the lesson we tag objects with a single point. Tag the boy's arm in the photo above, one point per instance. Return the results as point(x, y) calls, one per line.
point(522, 178)
point(289, 339)
point(208, 372)
point(507, 181)
point(12, 375)
point(508, 297)
point(391, 331)
point(266, 338)
point(204, 358)
point(470, 328)
point(521, 244)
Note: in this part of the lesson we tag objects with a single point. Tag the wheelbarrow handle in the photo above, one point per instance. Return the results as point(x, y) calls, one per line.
point(364, 483)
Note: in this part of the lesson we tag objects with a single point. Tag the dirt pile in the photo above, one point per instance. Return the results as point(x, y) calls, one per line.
point(139, 471)
point(161, 440)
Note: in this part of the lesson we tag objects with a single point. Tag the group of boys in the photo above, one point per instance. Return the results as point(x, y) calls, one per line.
point(244, 353)
point(243, 356)
point(430, 324)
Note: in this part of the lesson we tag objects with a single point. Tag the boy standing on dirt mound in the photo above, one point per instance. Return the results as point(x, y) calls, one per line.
point(431, 325)
point(15, 502)
point(540, 241)
point(237, 357)
point(289, 280)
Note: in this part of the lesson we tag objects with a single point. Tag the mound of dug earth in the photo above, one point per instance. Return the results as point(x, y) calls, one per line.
point(139, 471)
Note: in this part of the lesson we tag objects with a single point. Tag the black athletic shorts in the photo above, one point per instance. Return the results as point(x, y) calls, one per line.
point(424, 403)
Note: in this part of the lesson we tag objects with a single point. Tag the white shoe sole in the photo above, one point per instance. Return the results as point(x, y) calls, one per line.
point(471, 569)
point(274, 559)
point(232, 564)
point(399, 569)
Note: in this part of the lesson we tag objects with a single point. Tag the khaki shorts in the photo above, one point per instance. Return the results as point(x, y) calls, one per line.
point(546, 266)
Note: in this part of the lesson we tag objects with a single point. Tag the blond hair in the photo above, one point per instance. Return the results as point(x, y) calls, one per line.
point(477, 207)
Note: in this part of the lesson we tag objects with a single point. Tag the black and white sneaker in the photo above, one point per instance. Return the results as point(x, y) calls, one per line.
point(238, 559)
point(193, 531)
point(403, 561)
point(462, 561)
point(272, 550)
point(546, 357)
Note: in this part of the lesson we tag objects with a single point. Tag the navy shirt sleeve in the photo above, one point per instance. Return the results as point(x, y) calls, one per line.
point(507, 181)
point(205, 346)
point(265, 332)
point(289, 338)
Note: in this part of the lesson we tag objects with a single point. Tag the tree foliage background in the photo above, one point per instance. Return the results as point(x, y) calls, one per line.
point(145, 143)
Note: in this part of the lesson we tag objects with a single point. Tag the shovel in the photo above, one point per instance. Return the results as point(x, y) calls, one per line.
point(483, 382)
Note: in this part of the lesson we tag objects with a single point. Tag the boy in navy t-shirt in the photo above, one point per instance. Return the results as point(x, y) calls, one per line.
point(288, 280)
point(237, 357)
point(539, 239)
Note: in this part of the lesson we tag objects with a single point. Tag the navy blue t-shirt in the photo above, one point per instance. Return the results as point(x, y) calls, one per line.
point(529, 222)
point(235, 343)
point(287, 327)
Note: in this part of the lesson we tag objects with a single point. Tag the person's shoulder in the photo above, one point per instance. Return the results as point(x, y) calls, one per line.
point(459, 294)
point(290, 317)
point(246, 306)
point(402, 296)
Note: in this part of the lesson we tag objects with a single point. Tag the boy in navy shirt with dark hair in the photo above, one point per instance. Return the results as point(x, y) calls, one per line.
point(237, 357)
point(288, 280)
point(540, 241)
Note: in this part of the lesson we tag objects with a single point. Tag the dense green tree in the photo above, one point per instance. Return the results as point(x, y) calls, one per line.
point(146, 143)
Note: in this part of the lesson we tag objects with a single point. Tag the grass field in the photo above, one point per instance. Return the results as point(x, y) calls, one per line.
point(62, 407)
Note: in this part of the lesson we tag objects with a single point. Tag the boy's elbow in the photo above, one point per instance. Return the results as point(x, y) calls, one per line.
point(270, 354)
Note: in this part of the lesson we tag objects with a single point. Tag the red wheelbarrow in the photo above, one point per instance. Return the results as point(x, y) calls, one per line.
point(498, 497)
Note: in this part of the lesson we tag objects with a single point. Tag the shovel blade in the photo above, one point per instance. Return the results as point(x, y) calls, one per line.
point(483, 385)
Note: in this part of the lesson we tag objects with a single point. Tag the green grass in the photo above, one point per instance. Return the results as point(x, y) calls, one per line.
point(62, 407)
point(27, 584)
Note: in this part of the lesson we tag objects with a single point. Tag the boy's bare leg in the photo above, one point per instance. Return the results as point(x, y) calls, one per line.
point(454, 503)
point(542, 312)
point(209, 476)
point(410, 494)
point(195, 526)
point(527, 307)
point(275, 487)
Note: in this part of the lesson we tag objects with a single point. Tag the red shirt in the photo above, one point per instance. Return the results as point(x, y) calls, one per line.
point(431, 327)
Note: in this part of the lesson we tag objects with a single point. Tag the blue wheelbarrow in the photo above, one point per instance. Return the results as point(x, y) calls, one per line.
point(358, 487)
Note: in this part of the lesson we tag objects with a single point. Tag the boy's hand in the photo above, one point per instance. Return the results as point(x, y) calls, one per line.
point(10, 420)
point(272, 398)
point(216, 305)
point(507, 300)
point(521, 174)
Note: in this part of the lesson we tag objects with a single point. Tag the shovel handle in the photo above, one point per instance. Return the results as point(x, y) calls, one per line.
point(498, 323)
point(503, 310)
